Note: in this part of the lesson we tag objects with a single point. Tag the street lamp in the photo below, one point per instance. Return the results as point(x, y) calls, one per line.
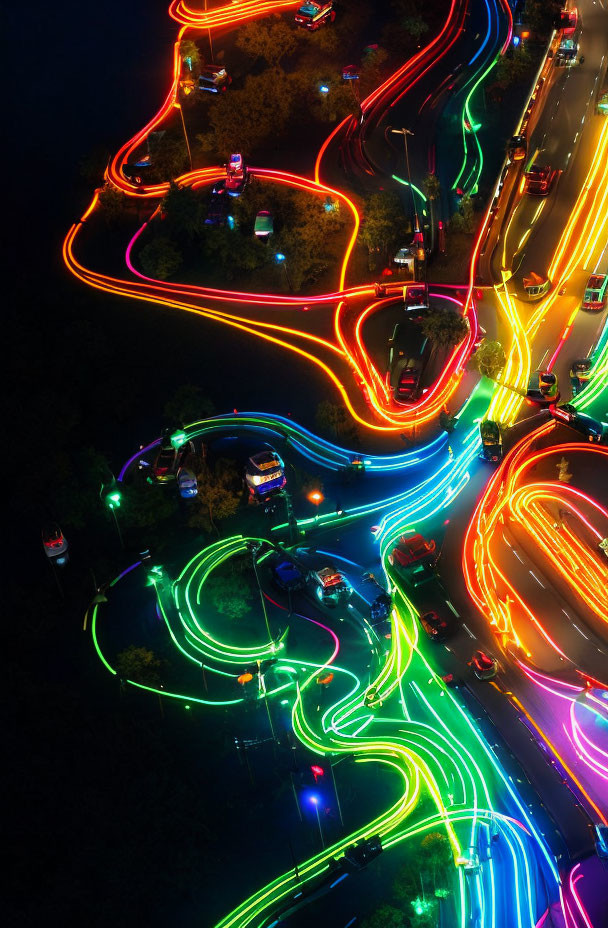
point(181, 113)
point(315, 801)
point(417, 230)
point(280, 258)
point(112, 499)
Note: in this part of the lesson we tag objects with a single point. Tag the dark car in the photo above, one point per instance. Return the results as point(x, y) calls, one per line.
point(580, 374)
point(437, 628)
point(405, 368)
point(170, 459)
point(286, 576)
point(55, 544)
point(542, 388)
point(517, 149)
point(585, 425)
point(540, 179)
point(491, 441)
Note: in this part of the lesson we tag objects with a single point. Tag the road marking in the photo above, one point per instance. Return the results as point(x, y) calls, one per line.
point(566, 614)
point(517, 555)
point(580, 632)
point(537, 580)
point(466, 628)
point(450, 606)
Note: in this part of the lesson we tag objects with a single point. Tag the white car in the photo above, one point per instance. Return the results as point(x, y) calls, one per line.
point(405, 255)
point(187, 483)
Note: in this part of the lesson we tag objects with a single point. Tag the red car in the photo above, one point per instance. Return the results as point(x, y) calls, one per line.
point(484, 666)
point(410, 549)
point(596, 293)
point(568, 21)
point(540, 179)
point(435, 626)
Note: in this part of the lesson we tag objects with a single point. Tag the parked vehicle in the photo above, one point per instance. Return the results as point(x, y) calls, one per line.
point(187, 483)
point(55, 544)
point(436, 627)
point(330, 585)
point(542, 388)
point(405, 369)
point(596, 293)
point(484, 666)
point(264, 225)
point(286, 575)
point(416, 557)
point(491, 441)
point(517, 148)
point(539, 177)
point(214, 79)
point(314, 15)
point(536, 286)
point(590, 428)
point(580, 374)
point(265, 474)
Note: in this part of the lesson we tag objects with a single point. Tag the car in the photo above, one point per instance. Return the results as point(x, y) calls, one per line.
point(601, 107)
point(235, 184)
point(187, 483)
point(542, 388)
point(517, 149)
point(137, 171)
point(404, 370)
point(567, 51)
point(214, 79)
point(235, 165)
point(265, 474)
point(580, 374)
point(410, 549)
point(264, 225)
point(54, 543)
point(437, 628)
point(314, 15)
point(596, 293)
point(350, 72)
point(357, 856)
point(286, 576)
point(536, 286)
point(405, 256)
point(169, 460)
point(593, 430)
point(491, 441)
point(416, 297)
point(539, 179)
point(163, 465)
point(484, 666)
point(567, 21)
point(330, 585)
point(217, 213)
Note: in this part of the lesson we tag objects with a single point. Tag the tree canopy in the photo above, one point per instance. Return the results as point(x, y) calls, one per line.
point(271, 41)
point(445, 328)
point(489, 359)
point(219, 494)
point(140, 665)
point(384, 223)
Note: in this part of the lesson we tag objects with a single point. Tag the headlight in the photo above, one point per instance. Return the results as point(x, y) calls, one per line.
point(256, 480)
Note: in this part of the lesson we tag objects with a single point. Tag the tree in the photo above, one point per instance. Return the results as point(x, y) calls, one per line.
point(335, 422)
point(447, 422)
point(160, 258)
point(489, 359)
point(514, 67)
point(182, 210)
point(219, 494)
point(387, 916)
point(435, 853)
point(384, 225)
point(432, 189)
point(188, 404)
point(464, 219)
point(443, 327)
point(269, 41)
point(140, 665)
point(245, 119)
point(562, 471)
point(189, 54)
point(230, 598)
point(147, 506)
point(168, 155)
point(415, 26)
point(540, 14)
point(114, 204)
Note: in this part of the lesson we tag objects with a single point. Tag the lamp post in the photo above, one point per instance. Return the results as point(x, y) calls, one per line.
point(254, 548)
point(315, 802)
point(181, 113)
point(113, 498)
point(280, 259)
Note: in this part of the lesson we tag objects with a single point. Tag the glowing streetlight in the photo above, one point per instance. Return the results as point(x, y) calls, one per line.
point(316, 497)
point(314, 799)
